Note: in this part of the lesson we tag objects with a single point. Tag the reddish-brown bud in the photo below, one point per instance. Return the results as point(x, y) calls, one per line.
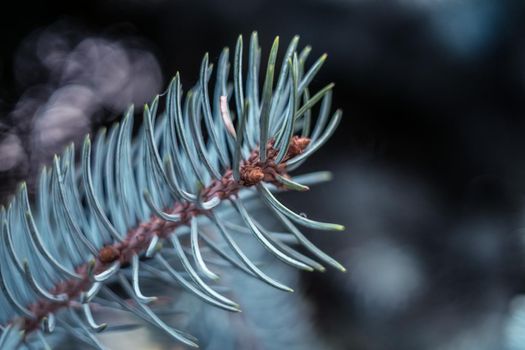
point(251, 175)
point(108, 254)
point(297, 145)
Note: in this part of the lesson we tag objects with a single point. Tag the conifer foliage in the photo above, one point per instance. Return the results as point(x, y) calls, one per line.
point(159, 202)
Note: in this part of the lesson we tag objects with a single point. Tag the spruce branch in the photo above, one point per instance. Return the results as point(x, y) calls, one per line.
point(191, 168)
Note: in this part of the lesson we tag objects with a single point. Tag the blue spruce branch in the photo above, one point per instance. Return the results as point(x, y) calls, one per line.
point(139, 206)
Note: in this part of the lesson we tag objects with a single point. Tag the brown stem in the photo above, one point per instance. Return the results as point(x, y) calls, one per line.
point(138, 238)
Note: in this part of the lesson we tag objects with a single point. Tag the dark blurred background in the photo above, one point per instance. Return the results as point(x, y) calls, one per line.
point(429, 160)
